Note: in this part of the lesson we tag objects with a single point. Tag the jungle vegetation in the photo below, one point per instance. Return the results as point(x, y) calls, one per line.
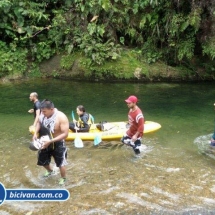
point(177, 32)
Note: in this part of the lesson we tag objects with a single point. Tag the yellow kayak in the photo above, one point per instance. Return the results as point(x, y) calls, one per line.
point(110, 131)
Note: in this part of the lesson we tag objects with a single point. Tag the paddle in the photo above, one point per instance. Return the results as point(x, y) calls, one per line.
point(92, 118)
point(73, 116)
point(97, 139)
point(77, 141)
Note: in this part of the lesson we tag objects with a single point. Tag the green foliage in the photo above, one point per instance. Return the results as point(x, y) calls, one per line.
point(186, 49)
point(97, 51)
point(41, 51)
point(209, 48)
point(34, 71)
point(168, 30)
point(194, 18)
point(150, 52)
point(122, 69)
point(13, 60)
point(66, 61)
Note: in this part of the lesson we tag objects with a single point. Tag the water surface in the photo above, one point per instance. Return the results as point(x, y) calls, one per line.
point(170, 177)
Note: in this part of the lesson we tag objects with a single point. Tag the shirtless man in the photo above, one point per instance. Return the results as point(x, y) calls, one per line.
point(36, 108)
point(57, 124)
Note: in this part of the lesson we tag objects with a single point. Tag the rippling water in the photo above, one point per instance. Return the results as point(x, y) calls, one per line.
point(173, 175)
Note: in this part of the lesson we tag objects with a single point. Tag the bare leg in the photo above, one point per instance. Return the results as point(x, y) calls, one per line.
point(63, 171)
point(48, 168)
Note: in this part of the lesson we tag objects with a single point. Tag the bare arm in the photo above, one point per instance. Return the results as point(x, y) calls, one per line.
point(140, 129)
point(37, 117)
point(64, 129)
point(37, 128)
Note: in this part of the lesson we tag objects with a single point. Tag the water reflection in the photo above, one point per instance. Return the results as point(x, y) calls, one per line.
point(170, 176)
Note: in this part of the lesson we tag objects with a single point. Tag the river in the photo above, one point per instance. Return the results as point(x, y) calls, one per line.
point(171, 176)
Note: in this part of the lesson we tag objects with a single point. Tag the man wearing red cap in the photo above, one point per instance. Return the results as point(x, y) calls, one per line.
point(136, 121)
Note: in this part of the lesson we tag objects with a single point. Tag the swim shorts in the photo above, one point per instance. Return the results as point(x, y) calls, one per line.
point(135, 145)
point(57, 150)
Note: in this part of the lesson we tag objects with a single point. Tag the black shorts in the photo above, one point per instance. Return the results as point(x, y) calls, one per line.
point(126, 140)
point(59, 152)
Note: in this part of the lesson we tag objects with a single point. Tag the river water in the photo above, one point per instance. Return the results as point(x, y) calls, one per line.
point(171, 176)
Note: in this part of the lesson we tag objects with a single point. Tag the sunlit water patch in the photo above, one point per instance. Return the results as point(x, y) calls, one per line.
point(24, 207)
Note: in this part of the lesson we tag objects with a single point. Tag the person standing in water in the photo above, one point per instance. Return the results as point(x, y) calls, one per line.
point(56, 124)
point(36, 107)
point(136, 125)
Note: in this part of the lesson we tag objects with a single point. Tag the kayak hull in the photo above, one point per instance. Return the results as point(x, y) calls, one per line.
point(113, 131)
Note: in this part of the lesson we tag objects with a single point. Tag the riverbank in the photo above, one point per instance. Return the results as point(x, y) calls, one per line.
point(130, 67)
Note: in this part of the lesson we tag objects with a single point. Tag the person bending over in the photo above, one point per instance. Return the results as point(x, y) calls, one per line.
point(84, 121)
point(55, 123)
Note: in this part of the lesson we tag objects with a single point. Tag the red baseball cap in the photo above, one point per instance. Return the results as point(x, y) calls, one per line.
point(131, 99)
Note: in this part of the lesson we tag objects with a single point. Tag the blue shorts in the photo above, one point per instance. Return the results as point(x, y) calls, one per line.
point(59, 152)
point(212, 144)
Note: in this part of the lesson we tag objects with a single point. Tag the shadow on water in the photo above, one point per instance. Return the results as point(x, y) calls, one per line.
point(169, 177)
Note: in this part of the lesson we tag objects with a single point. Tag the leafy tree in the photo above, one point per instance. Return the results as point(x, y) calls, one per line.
point(172, 31)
